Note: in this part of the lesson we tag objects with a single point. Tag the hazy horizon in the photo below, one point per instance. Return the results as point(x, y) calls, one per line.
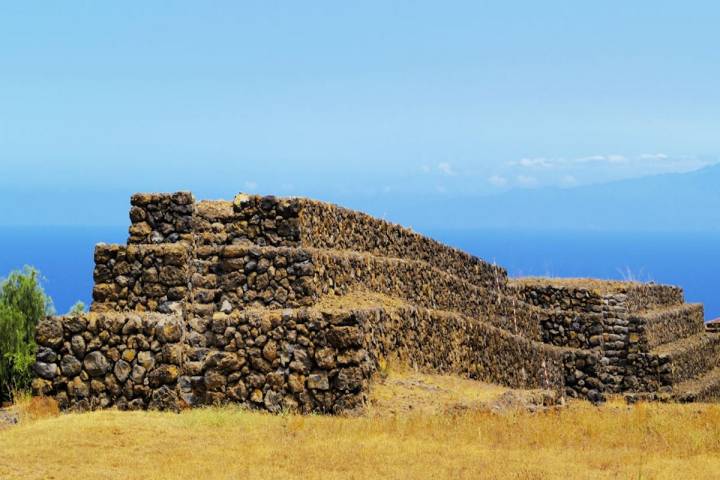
point(353, 103)
point(687, 202)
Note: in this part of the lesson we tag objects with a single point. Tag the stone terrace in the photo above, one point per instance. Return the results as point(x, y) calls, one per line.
point(292, 304)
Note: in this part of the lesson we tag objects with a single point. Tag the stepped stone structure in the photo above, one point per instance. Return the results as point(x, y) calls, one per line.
point(291, 304)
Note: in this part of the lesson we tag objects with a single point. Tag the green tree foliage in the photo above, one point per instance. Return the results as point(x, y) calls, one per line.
point(77, 309)
point(23, 303)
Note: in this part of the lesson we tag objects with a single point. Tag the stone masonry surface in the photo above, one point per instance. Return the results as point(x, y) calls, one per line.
point(649, 339)
point(219, 301)
point(294, 222)
point(294, 359)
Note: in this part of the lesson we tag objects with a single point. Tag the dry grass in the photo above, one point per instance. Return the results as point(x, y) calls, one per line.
point(405, 391)
point(592, 284)
point(31, 408)
point(358, 299)
point(582, 441)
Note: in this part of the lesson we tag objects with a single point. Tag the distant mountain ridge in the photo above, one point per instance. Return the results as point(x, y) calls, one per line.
point(669, 202)
point(683, 201)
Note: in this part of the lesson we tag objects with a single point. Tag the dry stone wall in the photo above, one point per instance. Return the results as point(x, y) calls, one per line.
point(688, 357)
point(614, 320)
point(583, 318)
point(667, 325)
point(141, 277)
point(237, 277)
point(295, 222)
point(305, 360)
point(100, 360)
point(296, 359)
point(161, 218)
point(420, 284)
point(450, 343)
point(325, 226)
point(589, 294)
point(240, 276)
point(299, 360)
point(647, 296)
point(218, 301)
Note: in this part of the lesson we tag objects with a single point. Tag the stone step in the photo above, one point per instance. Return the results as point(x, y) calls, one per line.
point(690, 357)
point(238, 277)
point(669, 324)
point(295, 222)
point(702, 389)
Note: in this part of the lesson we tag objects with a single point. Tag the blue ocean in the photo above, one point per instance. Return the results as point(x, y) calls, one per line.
point(64, 255)
point(690, 260)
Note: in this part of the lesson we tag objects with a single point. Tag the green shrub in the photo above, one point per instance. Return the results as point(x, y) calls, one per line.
point(23, 303)
point(78, 308)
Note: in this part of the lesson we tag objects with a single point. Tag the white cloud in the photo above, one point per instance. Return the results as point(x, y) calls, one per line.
point(538, 162)
point(250, 186)
point(425, 168)
point(591, 158)
point(498, 181)
point(653, 156)
point(543, 162)
point(613, 158)
point(441, 189)
point(446, 169)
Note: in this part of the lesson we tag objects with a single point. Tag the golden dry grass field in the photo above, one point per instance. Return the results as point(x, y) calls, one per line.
point(420, 426)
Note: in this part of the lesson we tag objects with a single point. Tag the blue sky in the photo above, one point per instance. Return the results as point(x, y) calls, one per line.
point(345, 100)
